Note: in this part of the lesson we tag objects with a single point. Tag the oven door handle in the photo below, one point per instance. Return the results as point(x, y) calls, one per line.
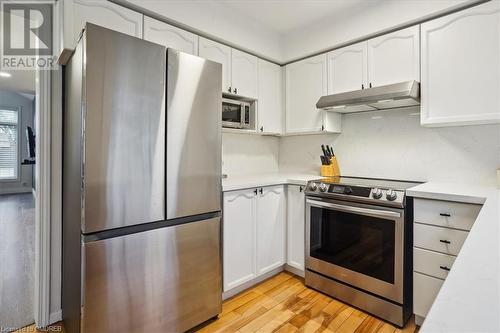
point(352, 209)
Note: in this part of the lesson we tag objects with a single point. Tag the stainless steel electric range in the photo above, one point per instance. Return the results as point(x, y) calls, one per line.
point(359, 238)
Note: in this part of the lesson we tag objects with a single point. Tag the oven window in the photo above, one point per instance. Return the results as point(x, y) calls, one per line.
point(231, 113)
point(363, 244)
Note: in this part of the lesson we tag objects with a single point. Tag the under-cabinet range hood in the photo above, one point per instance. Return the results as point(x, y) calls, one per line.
point(391, 96)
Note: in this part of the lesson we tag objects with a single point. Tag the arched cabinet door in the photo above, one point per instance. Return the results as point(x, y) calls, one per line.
point(239, 237)
point(394, 57)
point(161, 33)
point(220, 53)
point(460, 67)
point(347, 68)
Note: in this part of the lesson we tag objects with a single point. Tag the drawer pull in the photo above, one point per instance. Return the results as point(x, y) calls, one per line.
point(445, 214)
point(444, 268)
point(445, 241)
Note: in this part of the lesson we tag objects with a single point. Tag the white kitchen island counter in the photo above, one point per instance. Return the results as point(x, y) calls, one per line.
point(469, 300)
point(239, 182)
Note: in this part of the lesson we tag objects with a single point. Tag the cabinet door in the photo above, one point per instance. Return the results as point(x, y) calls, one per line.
point(220, 53)
point(239, 237)
point(296, 226)
point(347, 68)
point(244, 74)
point(460, 67)
point(103, 13)
point(394, 57)
point(269, 108)
point(161, 33)
point(306, 82)
point(270, 228)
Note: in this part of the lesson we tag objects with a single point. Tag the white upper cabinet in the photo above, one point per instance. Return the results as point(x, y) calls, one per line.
point(270, 228)
point(219, 53)
point(306, 82)
point(347, 68)
point(394, 57)
point(161, 33)
point(269, 104)
point(239, 237)
point(103, 13)
point(296, 226)
point(244, 74)
point(461, 66)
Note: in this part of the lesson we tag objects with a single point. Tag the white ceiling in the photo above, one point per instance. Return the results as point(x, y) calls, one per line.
point(284, 16)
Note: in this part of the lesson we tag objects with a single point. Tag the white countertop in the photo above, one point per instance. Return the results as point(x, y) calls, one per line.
point(469, 300)
point(238, 182)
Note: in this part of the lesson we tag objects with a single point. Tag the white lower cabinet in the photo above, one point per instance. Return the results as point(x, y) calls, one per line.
point(295, 226)
point(253, 233)
point(425, 290)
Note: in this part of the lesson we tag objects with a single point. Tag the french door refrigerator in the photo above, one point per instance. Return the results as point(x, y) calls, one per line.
point(141, 186)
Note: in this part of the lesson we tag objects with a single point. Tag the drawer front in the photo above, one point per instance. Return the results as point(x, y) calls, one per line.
point(439, 239)
point(432, 263)
point(425, 290)
point(446, 213)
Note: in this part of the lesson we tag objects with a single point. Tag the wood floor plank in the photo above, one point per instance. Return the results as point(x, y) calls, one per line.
point(386, 328)
point(286, 328)
point(352, 322)
point(369, 325)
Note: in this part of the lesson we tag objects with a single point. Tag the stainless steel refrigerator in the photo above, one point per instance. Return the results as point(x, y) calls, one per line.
point(141, 186)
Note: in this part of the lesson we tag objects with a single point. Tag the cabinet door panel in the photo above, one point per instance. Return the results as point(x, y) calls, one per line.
point(296, 226)
point(460, 66)
point(244, 74)
point(270, 229)
point(220, 53)
point(269, 106)
point(103, 13)
point(239, 238)
point(306, 82)
point(161, 33)
point(394, 57)
point(347, 68)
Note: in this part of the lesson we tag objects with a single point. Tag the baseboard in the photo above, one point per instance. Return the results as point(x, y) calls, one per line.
point(294, 270)
point(251, 283)
point(55, 317)
point(419, 320)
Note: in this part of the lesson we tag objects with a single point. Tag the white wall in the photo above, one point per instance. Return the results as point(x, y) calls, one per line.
point(12, 99)
point(216, 19)
point(392, 144)
point(372, 17)
point(249, 154)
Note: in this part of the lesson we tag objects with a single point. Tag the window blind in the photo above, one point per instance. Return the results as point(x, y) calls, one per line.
point(9, 145)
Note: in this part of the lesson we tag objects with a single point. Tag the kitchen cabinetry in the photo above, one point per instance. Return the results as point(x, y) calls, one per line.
point(306, 82)
point(103, 13)
point(253, 233)
point(269, 106)
point(440, 230)
point(347, 68)
point(244, 75)
point(295, 226)
point(161, 33)
point(460, 80)
point(270, 228)
point(220, 53)
point(394, 57)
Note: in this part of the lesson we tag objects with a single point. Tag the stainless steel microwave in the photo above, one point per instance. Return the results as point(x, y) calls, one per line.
point(236, 114)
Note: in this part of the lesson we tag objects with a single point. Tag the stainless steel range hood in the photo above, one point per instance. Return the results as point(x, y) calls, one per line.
point(391, 96)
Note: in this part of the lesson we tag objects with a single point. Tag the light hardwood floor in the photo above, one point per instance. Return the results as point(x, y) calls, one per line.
point(284, 304)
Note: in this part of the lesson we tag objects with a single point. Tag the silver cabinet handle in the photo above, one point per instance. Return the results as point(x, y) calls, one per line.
point(352, 209)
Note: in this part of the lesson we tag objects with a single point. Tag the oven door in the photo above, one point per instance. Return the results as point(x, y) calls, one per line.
point(358, 244)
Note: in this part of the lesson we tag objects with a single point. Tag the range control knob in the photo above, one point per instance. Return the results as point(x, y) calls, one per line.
point(391, 195)
point(313, 186)
point(323, 187)
point(348, 190)
point(377, 193)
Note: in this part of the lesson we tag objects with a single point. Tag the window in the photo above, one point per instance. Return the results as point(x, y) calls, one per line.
point(9, 143)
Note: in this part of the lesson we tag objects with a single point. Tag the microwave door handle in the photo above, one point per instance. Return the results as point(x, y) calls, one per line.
point(357, 210)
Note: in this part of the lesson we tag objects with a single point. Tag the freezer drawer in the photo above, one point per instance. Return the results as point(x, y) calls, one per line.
point(162, 280)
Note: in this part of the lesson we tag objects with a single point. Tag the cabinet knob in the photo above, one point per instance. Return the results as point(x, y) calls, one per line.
point(235, 90)
point(301, 188)
point(322, 127)
point(260, 190)
point(262, 128)
point(444, 268)
point(255, 191)
point(445, 241)
point(370, 84)
point(229, 89)
point(362, 86)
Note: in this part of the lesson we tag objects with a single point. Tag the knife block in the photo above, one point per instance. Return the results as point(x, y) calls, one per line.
point(331, 170)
